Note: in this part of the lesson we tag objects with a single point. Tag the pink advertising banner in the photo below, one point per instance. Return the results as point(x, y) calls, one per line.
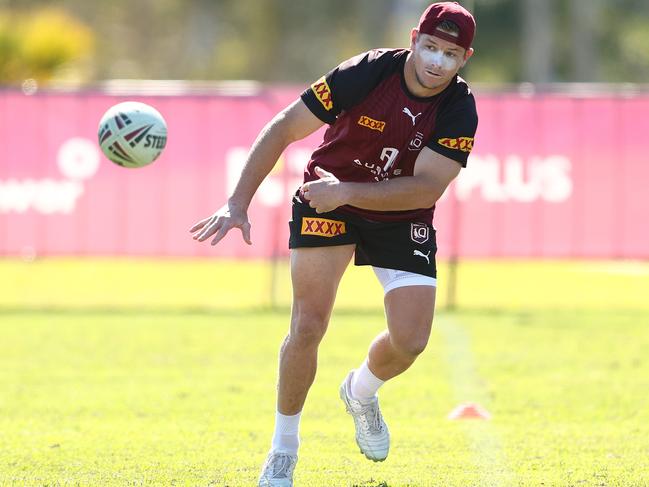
point(550, 176)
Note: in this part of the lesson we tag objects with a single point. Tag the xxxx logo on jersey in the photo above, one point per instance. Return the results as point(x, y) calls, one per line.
point(464, 144)
point(370, 123)
point(322, 227)
point(323, 93)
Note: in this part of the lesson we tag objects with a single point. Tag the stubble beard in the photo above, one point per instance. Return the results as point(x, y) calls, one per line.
point(432, 86)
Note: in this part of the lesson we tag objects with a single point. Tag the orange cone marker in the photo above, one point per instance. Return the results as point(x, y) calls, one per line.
point(469, 410)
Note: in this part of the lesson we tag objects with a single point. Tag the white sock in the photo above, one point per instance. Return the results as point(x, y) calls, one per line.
point(365, 383)
point(286, 437)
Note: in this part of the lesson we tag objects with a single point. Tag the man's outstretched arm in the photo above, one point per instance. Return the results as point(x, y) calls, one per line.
point(293, 123)
point(432, 175)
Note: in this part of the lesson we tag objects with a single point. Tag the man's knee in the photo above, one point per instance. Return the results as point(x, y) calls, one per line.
point(410, 341)
point(308, 326)
point(409, 347)
point(409, 311)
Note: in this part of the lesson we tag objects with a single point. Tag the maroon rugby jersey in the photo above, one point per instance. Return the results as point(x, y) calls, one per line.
point(378, 128)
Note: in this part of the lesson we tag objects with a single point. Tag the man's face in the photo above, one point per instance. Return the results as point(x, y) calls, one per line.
point(436, 60)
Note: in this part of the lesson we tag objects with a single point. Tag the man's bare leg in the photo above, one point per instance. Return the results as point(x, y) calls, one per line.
point(409, 311)
point(315, 273)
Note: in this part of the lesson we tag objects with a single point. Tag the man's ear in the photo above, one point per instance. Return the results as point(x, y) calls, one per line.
point(469, 52)
point(414, 33)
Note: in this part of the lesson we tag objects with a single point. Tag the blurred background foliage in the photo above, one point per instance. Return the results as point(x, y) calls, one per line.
point(289, 41)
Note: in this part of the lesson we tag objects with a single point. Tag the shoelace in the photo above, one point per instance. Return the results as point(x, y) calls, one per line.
point(372, 418)
point(282, 470)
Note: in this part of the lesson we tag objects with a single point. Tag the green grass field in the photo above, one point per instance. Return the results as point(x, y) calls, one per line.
point(163, 373)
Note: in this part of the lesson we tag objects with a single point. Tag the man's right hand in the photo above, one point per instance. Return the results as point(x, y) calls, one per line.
point(220, 223)
point(293, 123)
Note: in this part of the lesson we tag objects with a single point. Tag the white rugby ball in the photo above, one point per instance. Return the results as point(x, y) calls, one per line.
point(132, 134)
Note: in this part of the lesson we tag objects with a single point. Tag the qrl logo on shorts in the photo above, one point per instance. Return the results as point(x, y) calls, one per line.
point(322, 227)
point(419, 233)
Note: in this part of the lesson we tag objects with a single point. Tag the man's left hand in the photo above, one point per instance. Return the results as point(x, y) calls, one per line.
point(325, 194)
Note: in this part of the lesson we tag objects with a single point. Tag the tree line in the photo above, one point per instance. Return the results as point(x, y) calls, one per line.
point(289, 41)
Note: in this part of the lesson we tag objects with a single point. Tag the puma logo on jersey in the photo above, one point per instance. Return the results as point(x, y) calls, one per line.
point(421, 254)
point(407, 111)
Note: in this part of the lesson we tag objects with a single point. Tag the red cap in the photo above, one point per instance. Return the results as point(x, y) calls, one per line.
point(436, 13)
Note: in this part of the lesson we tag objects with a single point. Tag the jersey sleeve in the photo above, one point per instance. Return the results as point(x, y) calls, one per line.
point(455, 129)
point(348, 84)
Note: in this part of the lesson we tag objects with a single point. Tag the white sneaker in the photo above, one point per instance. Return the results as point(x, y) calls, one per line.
point(278, 470)
point(372, 435)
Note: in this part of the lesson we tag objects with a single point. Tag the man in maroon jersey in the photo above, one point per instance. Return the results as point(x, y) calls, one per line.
point(401, 125)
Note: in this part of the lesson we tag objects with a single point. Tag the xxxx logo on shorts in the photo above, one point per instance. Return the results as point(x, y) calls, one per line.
point(370, 123)
point(323, 93)
point(322, 227)
point(464, 144)
point(419, 233)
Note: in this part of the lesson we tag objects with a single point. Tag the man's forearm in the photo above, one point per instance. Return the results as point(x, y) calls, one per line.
point(263, 156)
point(405, 193)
